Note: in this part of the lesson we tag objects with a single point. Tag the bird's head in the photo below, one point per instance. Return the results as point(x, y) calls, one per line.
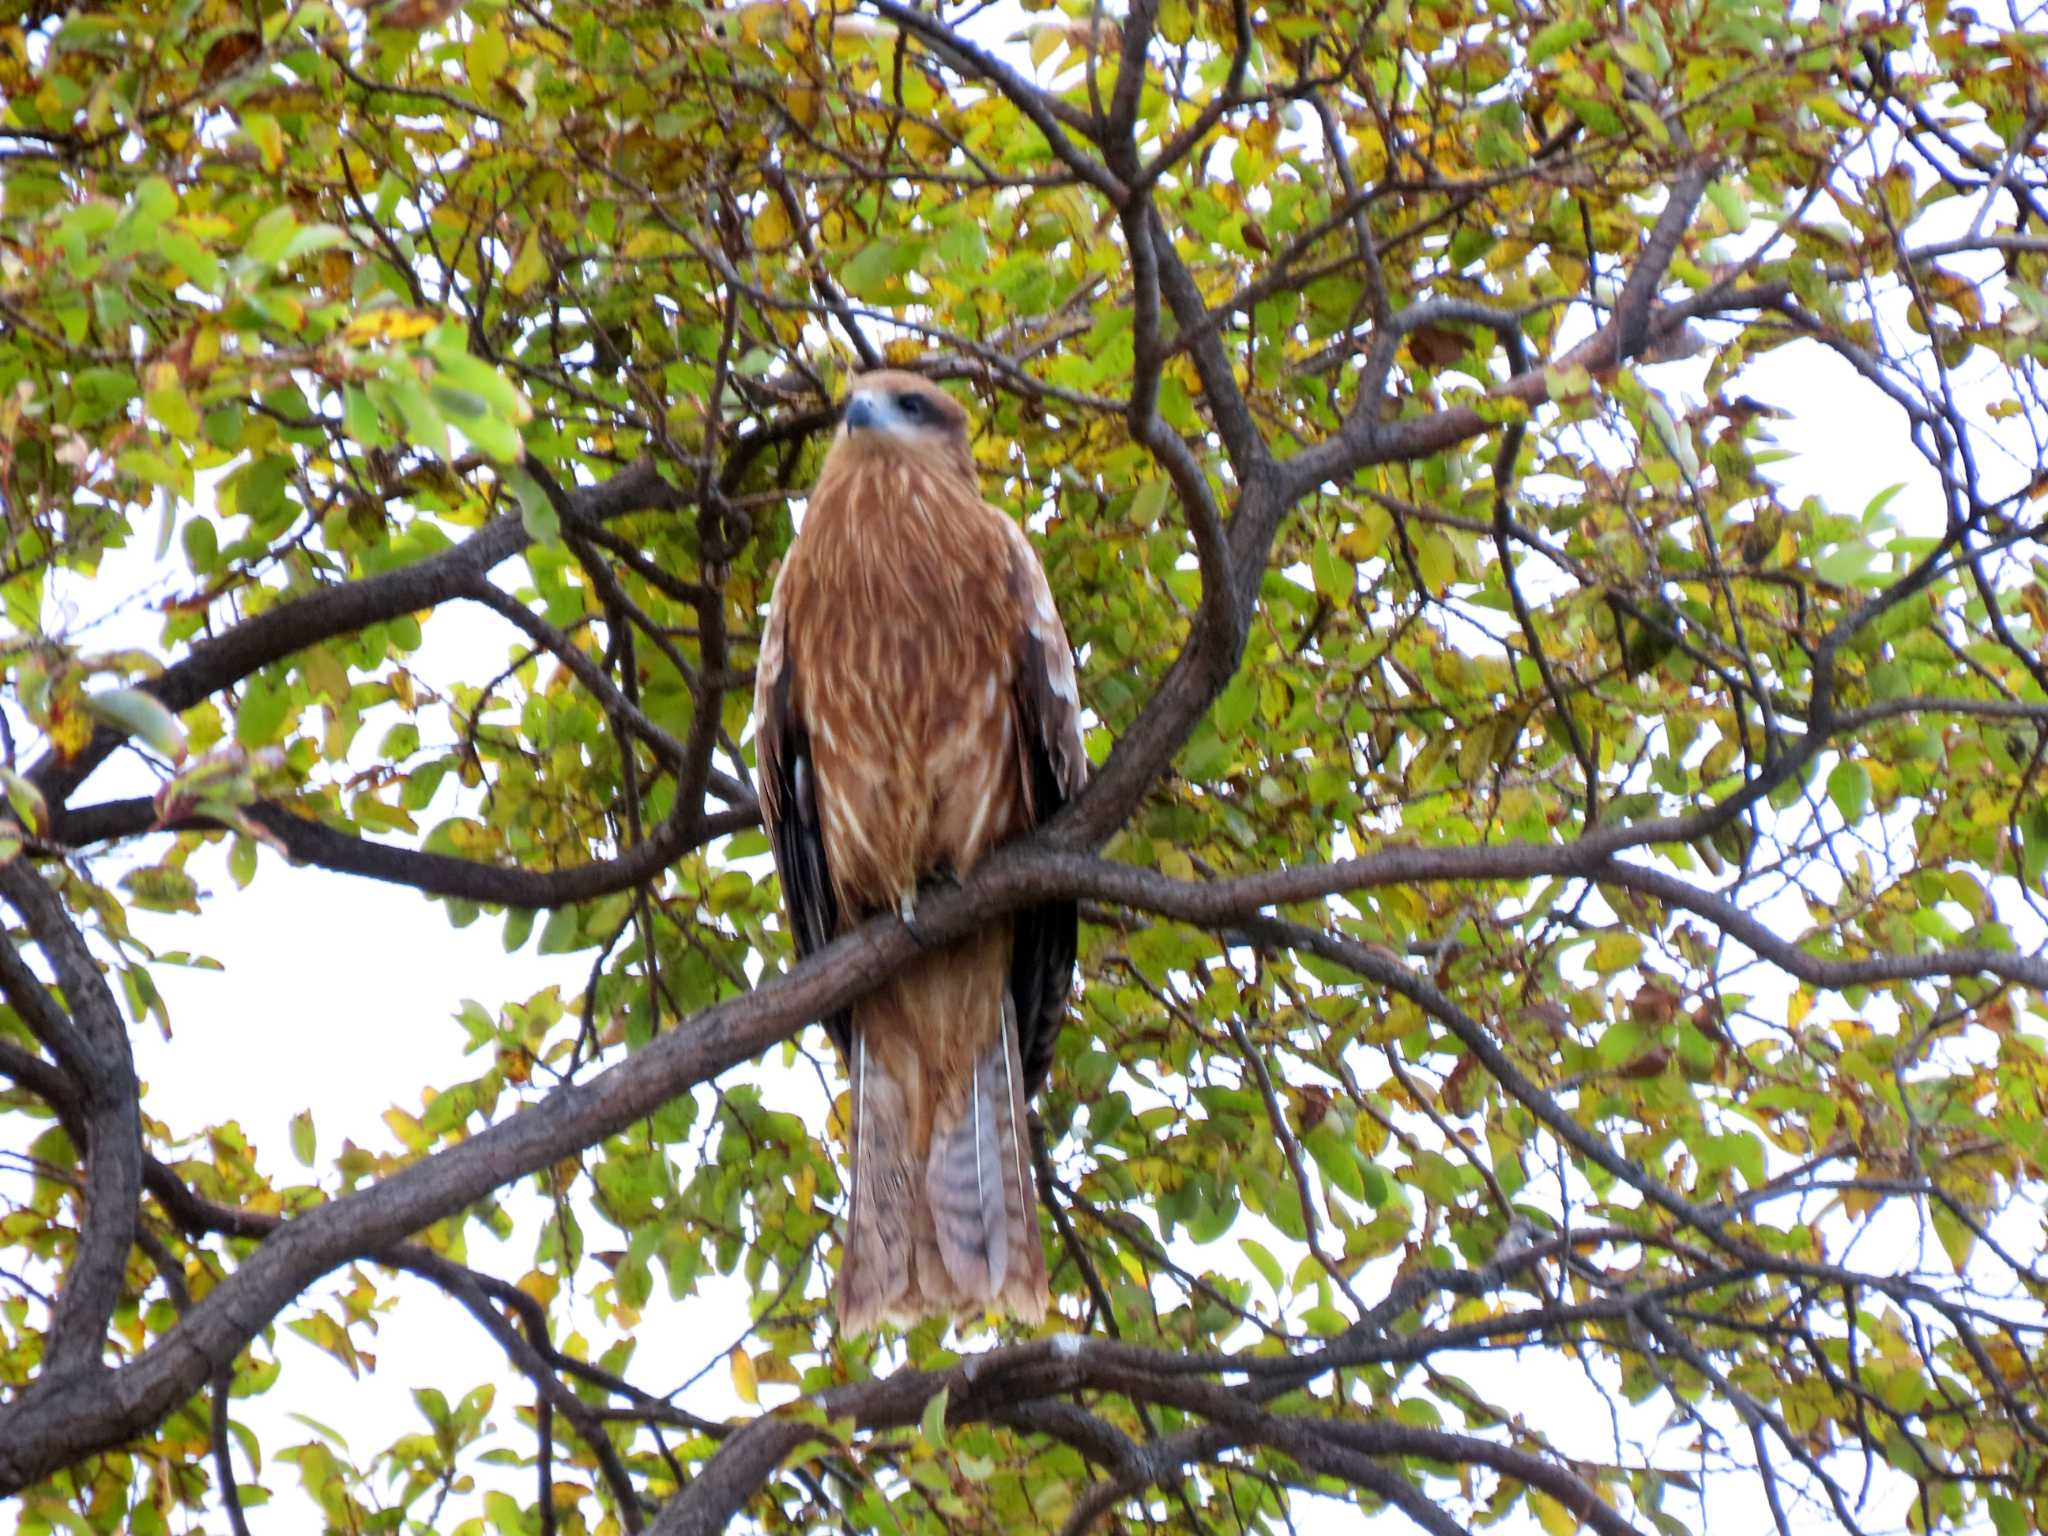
point(895, 413)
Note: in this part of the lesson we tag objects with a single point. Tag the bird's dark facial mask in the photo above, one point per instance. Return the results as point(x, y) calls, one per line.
point(897, 412)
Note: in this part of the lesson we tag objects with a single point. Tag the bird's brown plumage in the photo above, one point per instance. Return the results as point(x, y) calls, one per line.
point(914, 708)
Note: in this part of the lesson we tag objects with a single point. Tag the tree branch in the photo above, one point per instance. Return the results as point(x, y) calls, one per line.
point(293, 626)
point(95, 1055)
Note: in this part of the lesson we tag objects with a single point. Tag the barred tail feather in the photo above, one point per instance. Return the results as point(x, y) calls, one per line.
point(874, 1273)
point(964, 1180)
point(1022, 1291)
point(943, 1215)
point(983, 1197)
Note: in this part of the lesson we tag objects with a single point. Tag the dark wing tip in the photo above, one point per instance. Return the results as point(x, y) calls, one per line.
point(797, 835)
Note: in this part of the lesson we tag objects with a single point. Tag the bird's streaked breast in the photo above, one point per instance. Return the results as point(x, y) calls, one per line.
point(900, 625)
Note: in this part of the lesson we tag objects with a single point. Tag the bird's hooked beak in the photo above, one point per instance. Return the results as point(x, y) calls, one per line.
point(862, 414)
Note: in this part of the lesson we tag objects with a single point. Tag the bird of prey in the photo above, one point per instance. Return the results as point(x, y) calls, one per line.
point(914, 708)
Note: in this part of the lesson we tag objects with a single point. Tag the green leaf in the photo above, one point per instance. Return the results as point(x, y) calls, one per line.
point(31, 809)
point(933, 1421)
point(424, 426)
point(492, 436)
point(1334, 1153)
point(1267, 1266)
point(270, 236)
point(563, 933)
point(133, 712)
point(259, 720)
point(1149, 504)
point(1615, 951)
point(1849, 788)
point(313, 239)
point(871, 274)
point(1379, 1189)
point(201, 544)
point(518, 928)
point(1957, 1240)
point(1336, 578)
point(1729, 204)
point(1437, 560)
point(1555, 38)
point(360, 420)
point(536, 507)
point(302, 1137)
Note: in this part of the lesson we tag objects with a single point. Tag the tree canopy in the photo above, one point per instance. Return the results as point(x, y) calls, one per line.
point(1553, 902)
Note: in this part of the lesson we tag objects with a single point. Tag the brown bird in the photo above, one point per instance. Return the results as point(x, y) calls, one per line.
point(914, 708)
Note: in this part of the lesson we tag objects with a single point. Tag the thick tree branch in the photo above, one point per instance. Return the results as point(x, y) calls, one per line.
point(432, 874)
point(95, 1056)
point(278, 632)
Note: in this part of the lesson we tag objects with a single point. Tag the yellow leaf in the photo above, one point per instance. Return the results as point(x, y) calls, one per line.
point(771, 226)
point(743, 1378)
point(769, 1366)
point(1616, 952)
point(386, 325)
point(1555, 1519)
point(70, 731)
point(267, 136)
point(407, 1129)
point(644, 243)
point(325, 674)
point(760, 19)
point(486, 55)
point(529, 267)
point(1366, 540)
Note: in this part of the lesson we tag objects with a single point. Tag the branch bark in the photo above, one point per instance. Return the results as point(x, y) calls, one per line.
point(277, 632)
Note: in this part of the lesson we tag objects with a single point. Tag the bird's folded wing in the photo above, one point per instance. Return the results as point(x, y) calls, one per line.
point(1053, 767)
point(787, 780)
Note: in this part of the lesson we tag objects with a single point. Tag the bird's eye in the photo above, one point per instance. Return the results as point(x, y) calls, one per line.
point(911, 405)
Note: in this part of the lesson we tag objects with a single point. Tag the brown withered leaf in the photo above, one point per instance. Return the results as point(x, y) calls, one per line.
point(1706, 1020)
point(1437, 346)
point(1315, 1105)
point(1649, 1064)
point(1462, 1088)
point(1655, 1005)
point(226, 56)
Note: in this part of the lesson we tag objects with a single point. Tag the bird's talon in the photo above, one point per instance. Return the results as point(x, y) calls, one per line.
point(906, 908)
